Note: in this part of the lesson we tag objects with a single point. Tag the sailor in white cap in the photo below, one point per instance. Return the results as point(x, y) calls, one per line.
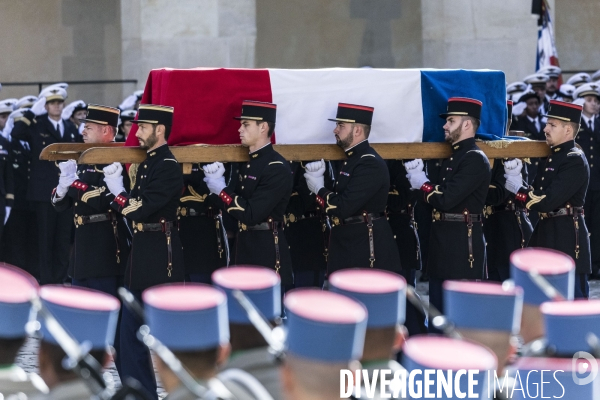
point(553, 73)
point(579, 79)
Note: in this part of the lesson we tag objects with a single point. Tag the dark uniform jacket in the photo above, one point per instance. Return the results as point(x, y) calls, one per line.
point(101, 248)
point(40, 132)
point(260, 195)
point(20, 159)
point(506, 225)
point(562, 182)
point(362, 186)
point(7, 183)
point(154, 198)
point(306, 227)
point(461, 188)
point(401, 215)
point(204, 248)
point(590, 144)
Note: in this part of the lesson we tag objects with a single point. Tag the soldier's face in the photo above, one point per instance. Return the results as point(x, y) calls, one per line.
point(95, 133)
point(540, 91)
point(250, 132)
point(146, 135)
point(453, 129)
point(533, 107)
point(55, 108)
point(591, 105)
point(79, 115)
point(552, 85)
point(3, 119)
point(127, 128)
point(344, 134)
point(556, 132)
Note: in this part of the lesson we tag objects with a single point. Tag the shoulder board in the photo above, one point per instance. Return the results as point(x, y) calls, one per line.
point(367, 155)
point(275, 162)
point(170, 159)
point(479, 152)
point(575, 152)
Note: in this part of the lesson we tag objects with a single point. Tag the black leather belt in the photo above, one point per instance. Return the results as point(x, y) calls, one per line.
point(190, 212)
point(162, 226)
point(465, 217)
point(358, 219)
point(489, 210)
point(90, 219)
point(290, 218)
point(568, 210)
point(270, 225)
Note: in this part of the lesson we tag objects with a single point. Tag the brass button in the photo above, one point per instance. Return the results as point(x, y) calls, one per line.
point(145, 166)
point(247, 165)
point(75, 203)
point(542, 178)
point(541, 187)
point(345, 162)
point(245, 176)
point(591, 147)
point(242, 187)
point(451, 158)
point(591, 165)
point(549, 160)
point(592, 156)
point(138, 188)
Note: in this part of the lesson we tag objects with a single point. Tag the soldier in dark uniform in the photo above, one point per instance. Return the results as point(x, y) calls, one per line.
point(307, 231)
point(589, 140)
point(54, 229)
point(506, 225)
point(558, 193)
point(458, 196)
point(361, 236)
point(156, 254)
point(201, 229)
point(20, 236)
point(538, 82)
point(261, 195)
point(553, 73)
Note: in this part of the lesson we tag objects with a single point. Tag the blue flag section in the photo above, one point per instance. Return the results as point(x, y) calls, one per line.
point(437, 86)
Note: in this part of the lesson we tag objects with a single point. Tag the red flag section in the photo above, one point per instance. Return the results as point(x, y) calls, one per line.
point(205, 102)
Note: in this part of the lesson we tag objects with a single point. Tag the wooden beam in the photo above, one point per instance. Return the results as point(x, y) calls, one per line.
point(70, 151)
point(234, 153)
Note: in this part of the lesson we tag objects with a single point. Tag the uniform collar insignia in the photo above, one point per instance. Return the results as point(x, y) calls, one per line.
point(263, 150)
point(456, 147)
point(254, 155)
point(350, 153)
point(556, 149)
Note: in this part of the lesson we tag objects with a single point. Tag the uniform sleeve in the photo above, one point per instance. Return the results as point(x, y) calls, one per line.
point(359, 190)
point(472, 172)
point(23, 127)
point(166, 183)
point(275, 183)
point(571, 176)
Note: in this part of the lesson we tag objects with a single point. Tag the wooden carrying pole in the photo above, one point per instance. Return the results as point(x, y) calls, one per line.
point(93, 154)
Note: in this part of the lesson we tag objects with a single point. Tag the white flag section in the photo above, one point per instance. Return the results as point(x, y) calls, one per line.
point(307, 98)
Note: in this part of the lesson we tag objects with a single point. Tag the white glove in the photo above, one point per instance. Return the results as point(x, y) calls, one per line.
point(214, 171)
point(68, 168)
point(519, 108)
point(68, 110)
point(81, 128)
point(215, 185)
point(415, 173)
point(513, 183)
point(129, 102)
point(63, 184)
point(316, 166)
point(38, 107)
point(7, 213)
point(10, 124)
point(113, 178)
point(513, 167)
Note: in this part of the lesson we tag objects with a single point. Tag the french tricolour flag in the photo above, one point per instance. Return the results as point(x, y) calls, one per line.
point(407, 102)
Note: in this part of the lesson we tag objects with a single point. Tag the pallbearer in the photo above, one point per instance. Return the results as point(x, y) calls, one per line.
point(259, 199)
point(361, 236)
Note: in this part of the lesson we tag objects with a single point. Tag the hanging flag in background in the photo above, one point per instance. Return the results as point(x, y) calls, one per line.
point(407, 102)
point(546, 46)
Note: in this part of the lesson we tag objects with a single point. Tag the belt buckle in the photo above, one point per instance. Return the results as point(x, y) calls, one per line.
point(543, 215)
point(437, 216)
point(80, 220)
point(489, 210)
point(139, 226)
point(183, 211)
point(243, 226)
point(292, 218)
point(335, 220)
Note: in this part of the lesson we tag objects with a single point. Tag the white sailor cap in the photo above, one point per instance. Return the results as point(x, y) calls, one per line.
point(139, 93)
point(596, 75)
point(53, 93)
point(516, 87)
point(566, 90)
point(7, 105)
point(587, 89)
point(536, 79)
point(551, 71)
point(579, 79)
point(26, 101)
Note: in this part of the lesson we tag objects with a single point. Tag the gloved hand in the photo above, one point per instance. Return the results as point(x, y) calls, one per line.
point(129, 102)
point(314, 175)
point(10, 124)
point(113, 178)
point(215, 185)
point(512, 173)
point(68, 167)
point(64, 182)
point(81, 128)
point(519, 108)
point(6, 213)
point(214, 171)
point(38, 107)
point(68, 110)
point(415, 173)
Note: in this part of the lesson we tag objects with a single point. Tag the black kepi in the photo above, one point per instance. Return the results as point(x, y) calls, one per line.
point(154, 114)
point(102, 115)
point(354, 114)
point(567, 112)
point(258, 111)
point(463, 106)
